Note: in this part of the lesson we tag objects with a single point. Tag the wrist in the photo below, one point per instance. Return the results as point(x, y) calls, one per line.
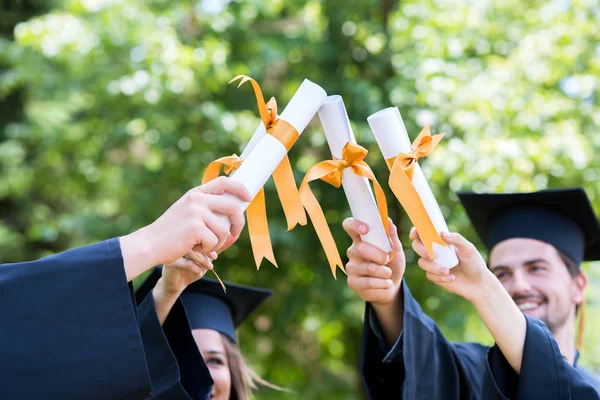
point(137, 253)
point(488, 286)
point(164, 300)
point(163, 292)
point(391, 308)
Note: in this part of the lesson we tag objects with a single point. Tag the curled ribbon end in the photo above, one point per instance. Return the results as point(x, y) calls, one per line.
point(334, 270)
point(300, 221)
point(271, 259)
point(236, 78)
point(343, 270)
point(244, 79)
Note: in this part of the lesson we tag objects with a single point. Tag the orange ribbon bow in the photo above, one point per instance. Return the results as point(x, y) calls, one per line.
point(330, 171)
point(402, 170)
point(283, 176)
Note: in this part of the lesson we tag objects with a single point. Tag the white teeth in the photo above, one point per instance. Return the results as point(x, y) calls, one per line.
point(527, 306)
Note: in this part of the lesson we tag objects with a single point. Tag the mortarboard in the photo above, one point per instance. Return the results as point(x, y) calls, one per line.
point(209, 307)
point(563, 218)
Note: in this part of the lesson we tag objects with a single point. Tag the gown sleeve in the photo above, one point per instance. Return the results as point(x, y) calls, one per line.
point(176, 366)
point(422, 364)
point(69, 328)
point(545, 374)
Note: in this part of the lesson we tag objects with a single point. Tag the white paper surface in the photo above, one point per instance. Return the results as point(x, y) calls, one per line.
point(265, 158)
point(259, 133)
point(392, 138)
point(338, 131)
point(265, 154)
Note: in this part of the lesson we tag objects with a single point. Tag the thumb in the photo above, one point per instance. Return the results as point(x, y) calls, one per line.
point(457, 240)
point(228, 242)
point(393, 232)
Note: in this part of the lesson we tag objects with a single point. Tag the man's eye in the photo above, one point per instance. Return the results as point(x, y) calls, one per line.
point(501, 275)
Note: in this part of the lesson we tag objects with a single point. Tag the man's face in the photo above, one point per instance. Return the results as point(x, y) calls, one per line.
point(538, 280)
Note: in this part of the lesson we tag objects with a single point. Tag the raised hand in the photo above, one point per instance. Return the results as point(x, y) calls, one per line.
point(194, 222)
point(467, 278)
point(371, 274)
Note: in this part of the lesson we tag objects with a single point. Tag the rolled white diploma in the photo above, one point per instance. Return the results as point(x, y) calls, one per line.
point(266, 152)
point(259, 133)
point(392, 138)
point(338, 131)
point(257, 136)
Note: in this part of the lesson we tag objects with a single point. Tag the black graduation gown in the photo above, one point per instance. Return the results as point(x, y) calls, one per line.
point(176, 366)
point(69, 329)
point(424, 365)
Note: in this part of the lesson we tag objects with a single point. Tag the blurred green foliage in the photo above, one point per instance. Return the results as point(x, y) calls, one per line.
point(112, 109)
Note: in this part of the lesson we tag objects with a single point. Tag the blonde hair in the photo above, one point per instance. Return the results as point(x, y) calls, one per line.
point(244, 380)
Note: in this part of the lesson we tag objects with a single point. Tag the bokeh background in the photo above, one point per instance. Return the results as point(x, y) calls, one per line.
point(111, 109)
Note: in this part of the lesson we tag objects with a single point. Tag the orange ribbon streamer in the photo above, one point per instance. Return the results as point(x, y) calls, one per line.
point(258, 228)
point(330, 171)
point(400, 181)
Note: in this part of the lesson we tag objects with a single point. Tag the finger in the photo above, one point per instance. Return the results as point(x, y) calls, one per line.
point(368, 269)
point(432, 267)
point(413, 233)
point(420, 249)
point(200, 260)
point(228, 242)
point(206, 240)
point(393, 231)
point(373, 253)
point(189, 265)
point(458, 241)
point(223, 185)
point(237, 221)
point(440, 279)
point(229, 207)
point(219, 227)
point(361, 283)
point(354, 228)
point(179, 262)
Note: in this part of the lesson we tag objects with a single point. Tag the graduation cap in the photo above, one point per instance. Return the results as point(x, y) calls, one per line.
point(563, 218)
point(209, 307)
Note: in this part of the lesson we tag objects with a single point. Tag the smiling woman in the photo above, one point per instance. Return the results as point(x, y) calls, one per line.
point(233, 377)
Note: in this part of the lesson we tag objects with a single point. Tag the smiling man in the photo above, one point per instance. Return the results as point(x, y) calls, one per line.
point(536, 243)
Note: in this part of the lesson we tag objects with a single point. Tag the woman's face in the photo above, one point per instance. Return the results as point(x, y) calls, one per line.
point(212, 349)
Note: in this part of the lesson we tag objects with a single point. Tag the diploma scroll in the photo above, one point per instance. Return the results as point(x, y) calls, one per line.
point(338, 131)
point(264, 157)
point(392, 138)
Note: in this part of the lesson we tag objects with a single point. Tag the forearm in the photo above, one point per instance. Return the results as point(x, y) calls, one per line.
point(390, 317)
point(163, 301)
point(503, 320)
